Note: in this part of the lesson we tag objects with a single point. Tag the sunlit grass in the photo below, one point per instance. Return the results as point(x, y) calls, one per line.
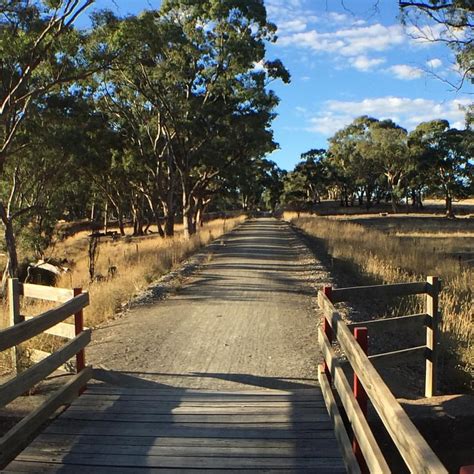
point(391, 259)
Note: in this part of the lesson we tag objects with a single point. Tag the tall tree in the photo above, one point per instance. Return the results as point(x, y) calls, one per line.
point(40, 51)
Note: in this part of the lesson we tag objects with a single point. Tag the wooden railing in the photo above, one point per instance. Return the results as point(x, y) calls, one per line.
point(363, 453)
point(23, 329)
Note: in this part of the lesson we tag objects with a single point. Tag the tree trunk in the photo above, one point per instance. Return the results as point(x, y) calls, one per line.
point(188, 224)
point(449, 206)
point(11, 268)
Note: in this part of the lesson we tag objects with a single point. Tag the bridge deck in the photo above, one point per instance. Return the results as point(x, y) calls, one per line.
point(116, 429)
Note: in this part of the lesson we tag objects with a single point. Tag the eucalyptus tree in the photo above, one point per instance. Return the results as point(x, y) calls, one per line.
point(210, 85)
point(353, 165)
point(40, 51)
point(447, 154)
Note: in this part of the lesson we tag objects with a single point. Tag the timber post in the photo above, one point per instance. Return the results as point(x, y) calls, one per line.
point(327, 290)
point(79, 327)
point(14, 317)
point(432, 310)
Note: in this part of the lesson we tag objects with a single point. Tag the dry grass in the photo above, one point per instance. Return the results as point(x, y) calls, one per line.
point(390, 259)
point(139, 261)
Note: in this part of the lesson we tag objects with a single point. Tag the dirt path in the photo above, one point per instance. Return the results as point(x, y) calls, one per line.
point(245, 319)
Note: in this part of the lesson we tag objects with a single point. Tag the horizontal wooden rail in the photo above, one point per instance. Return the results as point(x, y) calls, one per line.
point(391, 324)
point(30, 377)
point(341, 435)
point(368, 445)
point(48, 293)
point(378, 291)
point(390, 358)
point(25, 330)
point(66, 330)
point(413, 448)
point(15, 439)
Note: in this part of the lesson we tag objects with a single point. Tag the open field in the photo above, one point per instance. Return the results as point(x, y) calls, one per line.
point(400, 248)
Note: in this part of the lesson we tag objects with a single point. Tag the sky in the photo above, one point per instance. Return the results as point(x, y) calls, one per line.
point(348, 58)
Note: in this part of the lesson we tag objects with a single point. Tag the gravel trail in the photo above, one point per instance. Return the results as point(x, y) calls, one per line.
point(245, 320)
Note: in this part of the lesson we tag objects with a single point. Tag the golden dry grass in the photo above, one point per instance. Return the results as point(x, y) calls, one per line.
point(391, 259)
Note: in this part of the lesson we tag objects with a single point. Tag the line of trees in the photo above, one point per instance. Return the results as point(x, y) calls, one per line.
point(372, 160)
point(148, 117)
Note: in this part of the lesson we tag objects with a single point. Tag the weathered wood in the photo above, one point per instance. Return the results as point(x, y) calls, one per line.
point(30, 377)
point(410, 322)
point(340, 431)
point(321, 448)
point(14, 440)
point(28, 329)
point(36, 355)
point(277, 430)
point(146, 461)
point(378, 291)
point(413, 448)
point(432, 336)
point(48, 293)
point(300, 393)
point(387, 359)
point(368, 445)
point(112, 439)
point(153, 408)
point(308, 419)
point(50, 468)
point(64, 330)
point(14, 317)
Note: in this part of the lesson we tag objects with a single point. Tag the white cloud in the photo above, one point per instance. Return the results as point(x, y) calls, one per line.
point(434, 63)
point(363, 63)
point(405, 72)
point(359, 40)
point(407, 112)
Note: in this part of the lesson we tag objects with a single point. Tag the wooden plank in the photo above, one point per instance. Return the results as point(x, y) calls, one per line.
point(413, 448)
point(432, 336)
point(339, 429)
point(181, 462)
point(203, 398)
point(53, 468)
point(26, 330)
point(64, 330)
point(112, 439)
point(387, 359)
point(237, 418)
point(43, 292)
point(159, 409)
point(368, 445)
point(30, 377)
point(14, 440)
point(274, 431)
point(322, 448)
point(411, 321)
point(378, 291)
point(168, 405)
point(105, 388)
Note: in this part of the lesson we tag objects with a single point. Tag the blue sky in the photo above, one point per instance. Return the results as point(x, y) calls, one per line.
point(348, 59)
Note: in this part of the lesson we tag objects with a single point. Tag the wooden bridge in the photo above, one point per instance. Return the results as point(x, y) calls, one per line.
point(111, 428)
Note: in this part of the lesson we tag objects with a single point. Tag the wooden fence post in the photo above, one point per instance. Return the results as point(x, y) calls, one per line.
point(327, 290)
point(14, 317)
point(432, 336)
point(79, 327)
point(360, 395)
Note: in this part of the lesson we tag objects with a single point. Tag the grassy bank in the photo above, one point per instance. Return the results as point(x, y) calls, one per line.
point(389, 258)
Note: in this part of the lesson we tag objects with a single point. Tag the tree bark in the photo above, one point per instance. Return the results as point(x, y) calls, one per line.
point(11, 268)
